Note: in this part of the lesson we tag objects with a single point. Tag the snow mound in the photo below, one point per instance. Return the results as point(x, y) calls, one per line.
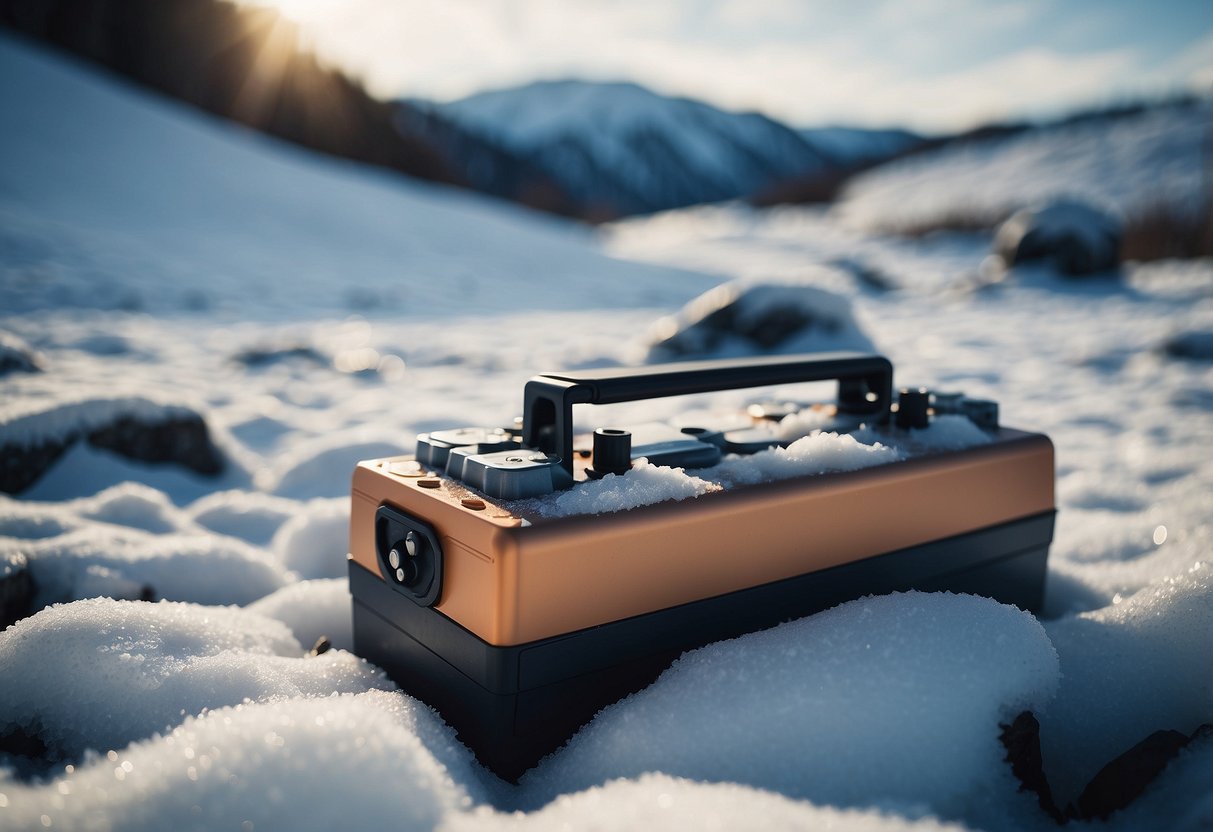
point(134, 505)
point(643, 485)
point(29, 423)
point(313, 609)
point(317, 764)
point(818, 453)
point(26, 521)
point(745, 317)
point(85, 470)
point(894, 700)
point(323, 467)
point(99, 674)
point(314, 543)
point(248, 515)
point(657, 801)
point(1128, 670)
point(125, 563)
point(948, 432)
point(1075, 237)
point(16, 356)
point(33, 435)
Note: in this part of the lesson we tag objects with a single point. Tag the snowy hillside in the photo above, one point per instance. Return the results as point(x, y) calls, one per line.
point(160, 267)
point(631, 150)
point(1160, 158)
point(112, 198)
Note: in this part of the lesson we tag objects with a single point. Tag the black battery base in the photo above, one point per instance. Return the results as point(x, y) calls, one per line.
point(514, 705)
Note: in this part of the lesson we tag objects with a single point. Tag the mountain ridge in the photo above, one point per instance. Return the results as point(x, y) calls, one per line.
point(619, 148)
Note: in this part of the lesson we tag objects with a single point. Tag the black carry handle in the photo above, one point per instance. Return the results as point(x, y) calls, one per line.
point(865, 387)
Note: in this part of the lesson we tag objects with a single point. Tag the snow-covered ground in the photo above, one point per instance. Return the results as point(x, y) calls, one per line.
point(149, 254)
point(1158, 160)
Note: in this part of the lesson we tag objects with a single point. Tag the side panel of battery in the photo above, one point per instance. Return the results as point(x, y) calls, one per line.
point(514, 704)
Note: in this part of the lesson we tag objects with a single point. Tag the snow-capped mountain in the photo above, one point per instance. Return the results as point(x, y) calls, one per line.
point(619, 148)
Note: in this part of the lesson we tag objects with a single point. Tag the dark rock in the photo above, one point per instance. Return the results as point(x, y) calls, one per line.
point(179, 436)
point(16, 356)
point(16, 588)
point(1196, 345)
point(867, 275)
point(322, 646)
point(184, 440)
point(1075, 237)
point(21, 742)
point(22, 465)
point(1021, 739)
point(747, 318)
point(1123, 780)
point(265, 356)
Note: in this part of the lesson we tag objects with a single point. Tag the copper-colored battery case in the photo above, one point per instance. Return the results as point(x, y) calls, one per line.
point(518, 628)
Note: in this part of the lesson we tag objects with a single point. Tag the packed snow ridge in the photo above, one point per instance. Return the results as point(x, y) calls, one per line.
point(818, 452)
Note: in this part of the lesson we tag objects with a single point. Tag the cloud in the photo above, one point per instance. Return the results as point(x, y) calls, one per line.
point(931, 64)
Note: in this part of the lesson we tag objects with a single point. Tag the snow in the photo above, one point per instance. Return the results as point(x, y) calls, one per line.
point(738, 318)
point(242, 213)
point(1127, 166)
point(808, 456)
point(99, 674)
point(642, 485)
point(313, 609)
point(647, 151)
point(880, 714)
point(17, 356)
point(818, 452)
point(301, 764)
point(315, 541)
point(29, 424)
point(94, 559)
point(85, 470)
point(253, 517)
point(657, 801)
point(1162, 635)
point(946, 432)
point(910, 689)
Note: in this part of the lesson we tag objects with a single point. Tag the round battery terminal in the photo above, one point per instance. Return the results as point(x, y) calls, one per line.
point(407, 468)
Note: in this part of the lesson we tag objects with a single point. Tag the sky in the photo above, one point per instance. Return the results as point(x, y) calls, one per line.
point(932, 65)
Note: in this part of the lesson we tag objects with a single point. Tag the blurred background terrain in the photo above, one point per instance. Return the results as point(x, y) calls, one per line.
point(600, 150)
